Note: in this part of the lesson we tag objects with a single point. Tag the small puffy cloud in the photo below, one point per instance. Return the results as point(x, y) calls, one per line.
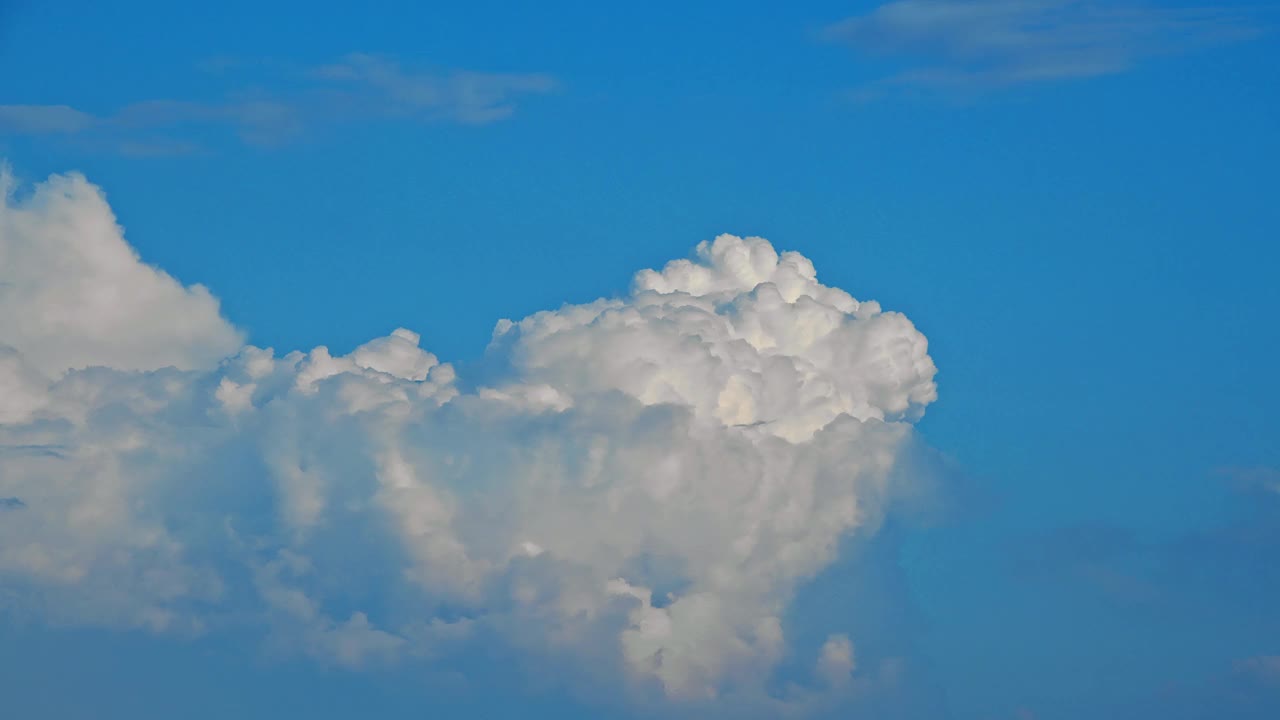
point(835, 663)
point(637, 500)
point(974, 45)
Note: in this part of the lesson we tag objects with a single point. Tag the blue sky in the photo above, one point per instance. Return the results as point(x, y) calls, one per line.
point(1074, 202)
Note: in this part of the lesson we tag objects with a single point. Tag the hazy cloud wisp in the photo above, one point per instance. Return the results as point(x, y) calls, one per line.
point(284, 102)
point(980, 45)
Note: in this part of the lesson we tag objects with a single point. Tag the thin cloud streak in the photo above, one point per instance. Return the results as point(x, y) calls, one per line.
point(986, 45)
point(44, 119)
point(357, 88)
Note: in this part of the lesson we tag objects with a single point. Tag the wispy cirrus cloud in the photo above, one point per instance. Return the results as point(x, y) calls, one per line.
point(1258, 479)
point(282, 102)
point(44, 119)
point(463, 96)
point(1265, 668)
point(982, 45)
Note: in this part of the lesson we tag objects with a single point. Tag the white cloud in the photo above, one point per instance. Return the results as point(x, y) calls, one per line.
point(74, 293)
point(23, 389)
point(836, 662)
point(639, 497)
point(744, 335)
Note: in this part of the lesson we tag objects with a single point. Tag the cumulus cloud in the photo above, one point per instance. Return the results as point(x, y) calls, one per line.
point(638, 498)
point(75, 294)
point(988, 44)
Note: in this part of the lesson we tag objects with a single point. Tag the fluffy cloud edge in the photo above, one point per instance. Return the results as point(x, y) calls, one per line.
point(644, 491)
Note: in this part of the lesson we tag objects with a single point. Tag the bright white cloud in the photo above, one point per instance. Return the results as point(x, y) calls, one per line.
point(639, 497)
point(743, 335)
point(73, 293)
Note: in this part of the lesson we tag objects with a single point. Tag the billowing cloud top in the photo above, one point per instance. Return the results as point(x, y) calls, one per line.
point(74, 294)
point(744, 335)
point(637, 498)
